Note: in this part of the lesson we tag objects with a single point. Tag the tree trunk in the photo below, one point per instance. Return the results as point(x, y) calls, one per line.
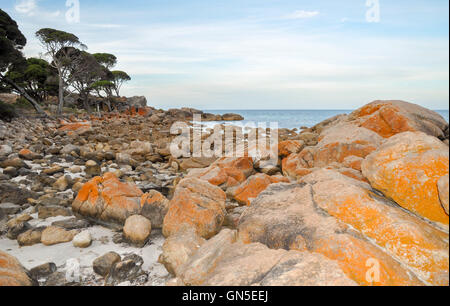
point(25, 95)
point(60, 95)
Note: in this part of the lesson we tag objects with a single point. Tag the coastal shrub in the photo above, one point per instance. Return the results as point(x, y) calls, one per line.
point(7, 111)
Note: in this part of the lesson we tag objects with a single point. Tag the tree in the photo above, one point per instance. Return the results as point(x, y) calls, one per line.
point(36, 77)
point(119, 78)
point(84, 72)
point(106, 87)
point(106, 60)
point(59, 44)
point(12, 42)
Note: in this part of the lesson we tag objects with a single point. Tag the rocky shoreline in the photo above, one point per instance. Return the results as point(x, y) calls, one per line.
point(359, 199)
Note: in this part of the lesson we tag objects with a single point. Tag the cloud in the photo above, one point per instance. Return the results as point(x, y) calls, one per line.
point(27, 7)
point(302, 14)
point(31, 9)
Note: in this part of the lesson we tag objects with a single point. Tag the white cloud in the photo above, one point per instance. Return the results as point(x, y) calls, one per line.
point(27, 7)
point(302, 14)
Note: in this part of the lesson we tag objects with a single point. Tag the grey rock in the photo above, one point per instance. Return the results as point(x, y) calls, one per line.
point(103, 264)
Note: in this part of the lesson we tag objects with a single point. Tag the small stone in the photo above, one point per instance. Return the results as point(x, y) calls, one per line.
point(82, 240)
point(53, 211)
point(93, 169)
point(11, 171)
point(30, 237)
point(127, 270)
point(43, 270)
point(103, 264)
point(137, 230)
point(9, 208)
point(54, 235)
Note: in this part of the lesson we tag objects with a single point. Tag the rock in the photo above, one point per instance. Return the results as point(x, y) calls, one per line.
point(288, 147)
point(30, 237)
point(53, 170)
point(14, 194)
point(198, 204)
point(336, 145)
point(137, 230)
point(12, 273)
point(71, 224)
point(45, 212)
point(16, 229)
point(154, 207)
point(225, 172)
point(401, 235)
point(82, 240)
point(232, 117)
point(11, 171)
point(128, 269)
point(54, 235)
point(179, 248)
point(107, 199)
point(388, 118)
point(222, 261)
point(69, 148)
point(138, 102)
point(93, 169)
point(196, 162)
point(14, 162)
point(251, 188)
point(301, 217)
point(407, 168)
point(443, 192)
point(103, 264)
point(29, 155)
point(75, 128)
point(61, 184)
point(9, 208)
point(43, 270)
point(5, 150)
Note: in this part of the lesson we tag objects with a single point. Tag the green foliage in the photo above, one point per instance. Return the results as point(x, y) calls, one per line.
point(7, 111)
point(11, 42)
point(102, 85)
point(105, 59)
point(119, 77)
point(36, 76)
point(51, 36)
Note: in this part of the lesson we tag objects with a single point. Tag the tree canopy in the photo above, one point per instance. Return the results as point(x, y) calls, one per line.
point(11, 41)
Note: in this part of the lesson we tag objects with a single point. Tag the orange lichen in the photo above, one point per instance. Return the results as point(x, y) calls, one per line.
point(364, 263)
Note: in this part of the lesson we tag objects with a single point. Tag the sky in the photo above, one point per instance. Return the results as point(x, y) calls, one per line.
point(260, 54)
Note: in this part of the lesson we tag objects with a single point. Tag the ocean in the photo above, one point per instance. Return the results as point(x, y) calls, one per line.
point(292, 118)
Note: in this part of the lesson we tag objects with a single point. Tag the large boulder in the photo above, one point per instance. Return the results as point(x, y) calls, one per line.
point(415, 243)
point(322, 213)
point(74, 128)
point(443, 192)
point(108, 200)
point(343, 145)
point(223, 261)
point(388, 118)
point(179, 248)
point(137, 102)
point(12, 273)
point(407, 168)
point(253, 186)
point(137, 230)
point(226, 172)
point(198, 204)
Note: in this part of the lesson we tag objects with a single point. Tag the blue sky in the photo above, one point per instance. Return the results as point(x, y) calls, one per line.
point(261, 54)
